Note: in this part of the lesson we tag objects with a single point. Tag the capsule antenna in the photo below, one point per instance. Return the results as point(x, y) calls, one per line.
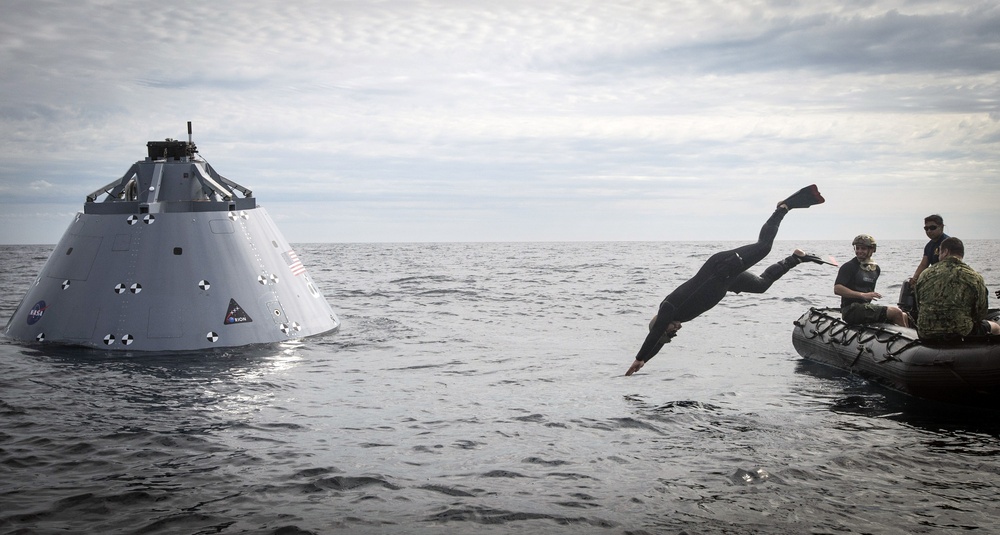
point(191, 149)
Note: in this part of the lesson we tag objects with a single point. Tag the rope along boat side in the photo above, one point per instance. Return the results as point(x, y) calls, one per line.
point(966, 371)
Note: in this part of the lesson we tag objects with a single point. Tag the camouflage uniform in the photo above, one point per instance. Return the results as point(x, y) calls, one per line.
point(952, 299)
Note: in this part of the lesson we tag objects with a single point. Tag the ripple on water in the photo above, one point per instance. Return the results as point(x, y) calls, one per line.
point(478, 388)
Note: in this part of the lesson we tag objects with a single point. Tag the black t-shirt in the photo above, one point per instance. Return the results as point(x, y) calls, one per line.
point(933, 249)
point(853, 277)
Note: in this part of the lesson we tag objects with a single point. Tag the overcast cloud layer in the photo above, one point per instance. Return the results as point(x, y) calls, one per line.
point(516, 120)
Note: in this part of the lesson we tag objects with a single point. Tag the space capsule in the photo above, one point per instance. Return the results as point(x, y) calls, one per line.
point(172, 256)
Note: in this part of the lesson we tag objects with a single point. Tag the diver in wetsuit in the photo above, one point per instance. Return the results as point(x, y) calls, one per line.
point(722, 272)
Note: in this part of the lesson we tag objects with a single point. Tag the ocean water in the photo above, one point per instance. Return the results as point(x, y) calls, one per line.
point(479, 388)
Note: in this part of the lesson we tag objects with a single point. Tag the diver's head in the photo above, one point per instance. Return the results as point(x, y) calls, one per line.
point(864, 246)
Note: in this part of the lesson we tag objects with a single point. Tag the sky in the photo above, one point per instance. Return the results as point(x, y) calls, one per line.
point(498, 120)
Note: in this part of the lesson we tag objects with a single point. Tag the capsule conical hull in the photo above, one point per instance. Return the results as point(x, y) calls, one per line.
point(158, 268)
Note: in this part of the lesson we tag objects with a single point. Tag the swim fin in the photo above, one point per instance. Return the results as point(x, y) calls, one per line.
point(813, 258)
point(804, 198)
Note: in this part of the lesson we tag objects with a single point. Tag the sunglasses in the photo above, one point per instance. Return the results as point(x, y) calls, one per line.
point(931, 227)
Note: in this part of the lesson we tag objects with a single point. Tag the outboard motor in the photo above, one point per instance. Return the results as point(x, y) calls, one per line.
point(907, 300)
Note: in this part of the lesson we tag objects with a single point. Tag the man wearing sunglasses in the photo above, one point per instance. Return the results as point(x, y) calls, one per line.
point(934, 227)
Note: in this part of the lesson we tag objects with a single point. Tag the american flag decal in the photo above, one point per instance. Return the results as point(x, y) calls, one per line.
point(294, 263)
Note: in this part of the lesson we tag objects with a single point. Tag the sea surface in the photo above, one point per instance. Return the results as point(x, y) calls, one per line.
point(479, 388)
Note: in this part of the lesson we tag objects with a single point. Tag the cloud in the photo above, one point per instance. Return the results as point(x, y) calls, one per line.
point(40, 185)
point(953, 42)
point(621, 116)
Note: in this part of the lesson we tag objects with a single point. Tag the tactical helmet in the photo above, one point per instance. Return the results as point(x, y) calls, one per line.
point(864, 239)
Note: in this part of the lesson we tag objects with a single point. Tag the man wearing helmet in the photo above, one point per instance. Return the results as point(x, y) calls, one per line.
point(855, 285)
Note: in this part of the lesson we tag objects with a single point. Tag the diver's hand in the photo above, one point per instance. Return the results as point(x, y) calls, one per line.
point(636, 366)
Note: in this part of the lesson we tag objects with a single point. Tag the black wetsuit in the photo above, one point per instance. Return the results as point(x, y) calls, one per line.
point(722, 272)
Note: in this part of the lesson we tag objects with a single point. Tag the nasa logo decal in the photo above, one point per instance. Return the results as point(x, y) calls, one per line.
point(236, 314)
point(36, 312)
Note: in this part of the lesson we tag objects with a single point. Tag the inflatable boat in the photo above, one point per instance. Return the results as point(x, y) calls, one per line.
point(965, 371)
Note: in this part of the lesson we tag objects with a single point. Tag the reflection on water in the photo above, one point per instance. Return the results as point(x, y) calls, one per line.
point(951, 428)
point(188, 392)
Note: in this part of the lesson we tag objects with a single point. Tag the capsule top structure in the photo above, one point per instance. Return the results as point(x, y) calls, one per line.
point(172, 256)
